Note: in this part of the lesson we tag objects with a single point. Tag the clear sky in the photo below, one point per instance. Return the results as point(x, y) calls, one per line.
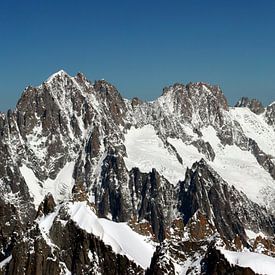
point(140, 46)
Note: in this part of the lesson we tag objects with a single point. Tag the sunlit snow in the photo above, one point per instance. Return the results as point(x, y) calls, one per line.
point(146, 150)
point(60, 187)
point(5, 261)
point(255, 127)
point(259, 263)
point(240, 168)
point(119, 236)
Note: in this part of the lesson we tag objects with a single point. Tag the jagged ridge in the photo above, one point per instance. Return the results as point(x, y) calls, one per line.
point(70, 134)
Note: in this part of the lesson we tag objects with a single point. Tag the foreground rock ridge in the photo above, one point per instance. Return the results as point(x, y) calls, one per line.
point(92, 183)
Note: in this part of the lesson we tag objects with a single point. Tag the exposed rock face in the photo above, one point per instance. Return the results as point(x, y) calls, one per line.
point(154, 199)
point(253, 104)
point(197, 103)
point(47, 206)
point(161, 264)
point(65, 143)
point(270, 114)
point(215, 263)
point(144, 196)
point(184, 251)
point(265, 160)
point(227, 209)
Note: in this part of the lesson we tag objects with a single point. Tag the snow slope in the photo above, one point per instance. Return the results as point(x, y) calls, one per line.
point(255, 127)
point(33, 184)
point(60, 187)
point(146, 150)
point(241, 169)
point(119, 236)
point(259, 263)
point(45, 223)
point(5, 261)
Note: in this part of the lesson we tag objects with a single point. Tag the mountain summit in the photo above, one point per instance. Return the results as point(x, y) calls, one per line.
point(92, 183)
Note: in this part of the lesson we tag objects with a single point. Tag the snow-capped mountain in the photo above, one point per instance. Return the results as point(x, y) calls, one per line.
point(92, 183)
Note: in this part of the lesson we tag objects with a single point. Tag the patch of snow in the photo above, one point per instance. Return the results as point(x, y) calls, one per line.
point(60, 187)
point(33, 184)
point(259, 263)
point(187, 152)
point(188, 129)
point(119, 236)
point(64, 269)
point(252, 235)
point(59, 73)
point(90, 256)
point(191, 263)
point(36, 142)
point(81, 126)
point(45, 224)
point(209, 134)
point(5, 261)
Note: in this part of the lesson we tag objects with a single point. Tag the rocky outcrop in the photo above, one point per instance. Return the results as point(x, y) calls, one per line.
point(270, 114)
point(265, 160)
point(146, 196)
point(215, 263)
point(153, 198)
point(253, 104)
point(227, 209)
point(161, 264)
point(47, 206)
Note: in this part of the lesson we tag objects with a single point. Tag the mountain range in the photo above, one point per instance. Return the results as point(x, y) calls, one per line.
point(92, 183)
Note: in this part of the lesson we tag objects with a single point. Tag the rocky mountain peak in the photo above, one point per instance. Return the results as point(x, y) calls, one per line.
point(173, 88)
point(198, 103)
point(197, 93)
point(80, 77)
point(253, 104)
point(104, 86)
point(61, 74)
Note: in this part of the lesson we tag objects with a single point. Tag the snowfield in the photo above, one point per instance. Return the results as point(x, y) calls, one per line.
point(253, 235)
point(241, 169)
point(237, 167)
point(146, 150)
point(259, 263)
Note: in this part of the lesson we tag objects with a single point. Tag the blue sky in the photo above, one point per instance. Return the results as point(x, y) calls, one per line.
point(140, 46)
